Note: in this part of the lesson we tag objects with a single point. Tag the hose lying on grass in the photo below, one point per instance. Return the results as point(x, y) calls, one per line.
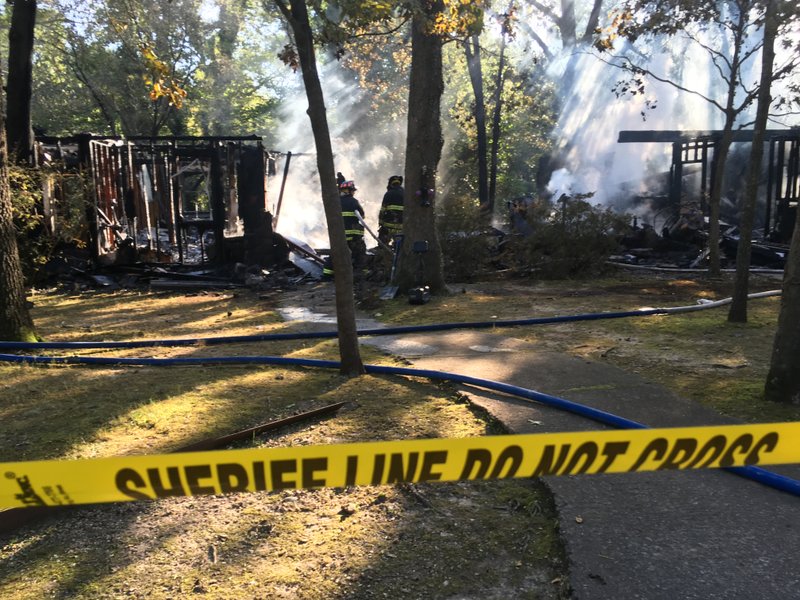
point(267, 337)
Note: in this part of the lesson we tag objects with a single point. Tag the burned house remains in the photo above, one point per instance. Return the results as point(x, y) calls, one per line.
point(178, 200)
point(691, 178)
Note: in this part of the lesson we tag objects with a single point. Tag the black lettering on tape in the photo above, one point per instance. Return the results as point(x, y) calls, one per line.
point(480, 456)
point(232, 477)
point(546, 465)
point(193, 475)
point(279, 468)
point(708, 453)
point(479, 463)
point(429, 459)
point(308, 467)
point(611, 450)
point(587, 452)
point(397, 473)
point(174, 476)
point(311, 466)
point(259, 476)
point(352, 470)
point(656, 447)
point(512, 455)
point(377, 469)
point(767, 443)
point(682, 450)
point(128, 478)
point(742, 444)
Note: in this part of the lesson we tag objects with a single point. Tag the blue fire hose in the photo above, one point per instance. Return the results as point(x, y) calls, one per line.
point(273, 337)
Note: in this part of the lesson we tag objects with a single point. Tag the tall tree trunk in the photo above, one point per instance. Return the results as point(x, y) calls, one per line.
point(566, 23)
point(423, 151)
point(297, 16)
point(496, 115)
point(783, 379)
point(472, 49)
point(20, 81)
point(15, 320)
point(738, 309)
point(721, 151)
point(592, 22)
point(723, 148)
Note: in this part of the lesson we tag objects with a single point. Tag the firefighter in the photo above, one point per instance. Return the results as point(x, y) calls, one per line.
point(390, 218)
point(353, 229)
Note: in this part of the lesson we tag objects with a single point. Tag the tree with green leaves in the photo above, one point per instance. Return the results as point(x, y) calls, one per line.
point(526, 121)
point(551, 41)
point(124, 69)
point(60, 104)
point(238, 88)
point(135, 62)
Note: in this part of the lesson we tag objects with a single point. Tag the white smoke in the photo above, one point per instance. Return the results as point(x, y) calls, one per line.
point(592, 116)
point(365, 151)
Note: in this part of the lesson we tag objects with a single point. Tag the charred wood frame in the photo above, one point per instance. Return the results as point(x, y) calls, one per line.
point(783, 186)
point(169, 199)
point(697, 147)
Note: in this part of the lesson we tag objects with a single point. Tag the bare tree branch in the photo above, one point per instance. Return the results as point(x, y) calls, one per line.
point(535, 37)
point(545, 10)
point(632, 68)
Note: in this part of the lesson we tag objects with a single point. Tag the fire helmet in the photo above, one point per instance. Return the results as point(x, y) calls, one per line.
point(395, 180)
point(348, 186)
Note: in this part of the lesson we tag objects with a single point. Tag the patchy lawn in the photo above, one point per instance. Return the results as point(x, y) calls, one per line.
point(481, 540)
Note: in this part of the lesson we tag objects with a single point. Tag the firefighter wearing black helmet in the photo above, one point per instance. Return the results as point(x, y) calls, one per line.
point(390, 218)
point(353, 229)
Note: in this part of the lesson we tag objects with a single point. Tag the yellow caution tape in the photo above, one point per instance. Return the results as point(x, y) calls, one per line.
point(39, 483)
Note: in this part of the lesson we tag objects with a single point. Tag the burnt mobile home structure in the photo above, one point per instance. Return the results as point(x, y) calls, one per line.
point(179, 200)
point(695, 151)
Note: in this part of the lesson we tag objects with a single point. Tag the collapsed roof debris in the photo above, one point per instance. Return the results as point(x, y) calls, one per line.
point(682, 240)
point(176, 202)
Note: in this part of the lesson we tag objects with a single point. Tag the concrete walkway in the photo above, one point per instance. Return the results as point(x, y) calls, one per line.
point(672, 535)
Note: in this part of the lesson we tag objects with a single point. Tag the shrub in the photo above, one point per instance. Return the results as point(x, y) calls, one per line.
point(569, 239)
point(468, 243)
point(38, 235)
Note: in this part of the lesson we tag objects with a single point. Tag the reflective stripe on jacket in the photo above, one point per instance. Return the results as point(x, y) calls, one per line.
point(352, 226)
point(391, 215)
